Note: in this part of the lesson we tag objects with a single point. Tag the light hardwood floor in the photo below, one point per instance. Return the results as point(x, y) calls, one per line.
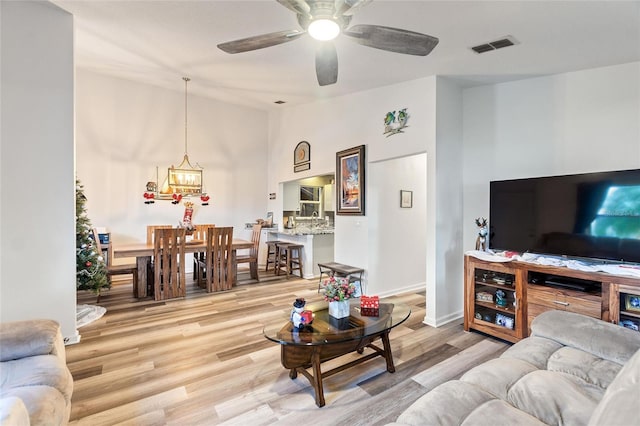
point(203, 361)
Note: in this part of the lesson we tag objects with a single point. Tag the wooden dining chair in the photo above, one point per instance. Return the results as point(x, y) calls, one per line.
point(125, 269)
point(216, 270)
point(199, 234)
point(169, 280)
point(252, 257)
point(151, 229)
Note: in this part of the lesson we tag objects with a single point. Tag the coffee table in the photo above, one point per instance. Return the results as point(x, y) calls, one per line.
point(328, 338)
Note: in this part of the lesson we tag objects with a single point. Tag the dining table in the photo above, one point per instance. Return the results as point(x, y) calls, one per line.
point(143, 253)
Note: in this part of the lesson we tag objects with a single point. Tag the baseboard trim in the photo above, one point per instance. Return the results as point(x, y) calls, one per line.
point(439, 322)
point(413, 287)
point(72, 340)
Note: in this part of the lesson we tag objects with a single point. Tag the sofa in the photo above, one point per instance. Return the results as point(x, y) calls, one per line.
point(35, 383)
point(571, 370)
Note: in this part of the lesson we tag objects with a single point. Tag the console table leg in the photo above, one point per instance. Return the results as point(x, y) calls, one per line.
point(387, 352)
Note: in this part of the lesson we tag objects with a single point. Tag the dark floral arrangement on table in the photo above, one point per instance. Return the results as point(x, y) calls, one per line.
point(337, 289)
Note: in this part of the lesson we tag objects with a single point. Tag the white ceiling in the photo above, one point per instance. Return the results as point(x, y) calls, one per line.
point(159, 42)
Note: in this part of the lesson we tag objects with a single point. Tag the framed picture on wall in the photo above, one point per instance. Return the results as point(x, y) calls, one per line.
point(406, 199)
point(350, 189)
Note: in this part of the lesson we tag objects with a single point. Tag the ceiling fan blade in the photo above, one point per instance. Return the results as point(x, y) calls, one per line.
point(349, 7)
point(297, 6)
point(260, 41)
point(392, 39)
point(326, 63)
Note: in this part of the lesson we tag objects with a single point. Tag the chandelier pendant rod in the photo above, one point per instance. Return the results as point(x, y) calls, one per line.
point(186, 80)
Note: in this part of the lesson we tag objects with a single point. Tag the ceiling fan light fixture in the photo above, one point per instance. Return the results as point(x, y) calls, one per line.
point(323, 29)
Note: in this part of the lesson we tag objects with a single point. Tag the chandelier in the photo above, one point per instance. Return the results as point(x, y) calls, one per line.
point(184, 180)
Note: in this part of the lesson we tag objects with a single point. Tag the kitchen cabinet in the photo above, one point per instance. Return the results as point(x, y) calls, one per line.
point(329, 195)
point(291, 196)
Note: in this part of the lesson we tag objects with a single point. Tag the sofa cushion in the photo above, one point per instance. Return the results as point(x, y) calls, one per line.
point(48, 370)
point(461, 403)
point(498, 413)
point(619, 405)
point(534, 350)
point(554, 398)
point(22, 339)
point(46, 405)
point(600, 338)
point(497, 376)
point(13, 411)
point(591, 369)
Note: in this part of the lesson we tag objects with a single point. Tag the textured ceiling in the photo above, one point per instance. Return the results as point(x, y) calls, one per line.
point(158, 42)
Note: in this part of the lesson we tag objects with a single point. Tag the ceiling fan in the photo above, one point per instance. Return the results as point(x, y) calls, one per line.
point(324, 20)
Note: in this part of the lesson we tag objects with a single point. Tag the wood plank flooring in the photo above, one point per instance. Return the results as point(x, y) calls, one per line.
point(203, 361)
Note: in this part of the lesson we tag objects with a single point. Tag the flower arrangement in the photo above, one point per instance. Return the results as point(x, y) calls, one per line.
point(338, 289)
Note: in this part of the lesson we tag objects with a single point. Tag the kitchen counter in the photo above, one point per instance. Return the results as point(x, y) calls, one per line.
point(317, 243)
point(306, 231)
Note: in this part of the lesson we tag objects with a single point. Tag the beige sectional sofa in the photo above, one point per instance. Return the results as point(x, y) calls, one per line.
point(572, 370)
point(35, 383)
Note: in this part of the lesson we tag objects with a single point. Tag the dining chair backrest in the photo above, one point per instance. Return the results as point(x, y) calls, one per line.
point(120, 269)
point(151, 229)
point(96, 237)
point(219, 259)
point(200, 231)
point(199, 234)
point(255, 239)
point(252, 257)
point(168, 263)
point(96, 240)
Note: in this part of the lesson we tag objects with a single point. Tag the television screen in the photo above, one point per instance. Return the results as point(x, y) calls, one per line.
point(591, 215)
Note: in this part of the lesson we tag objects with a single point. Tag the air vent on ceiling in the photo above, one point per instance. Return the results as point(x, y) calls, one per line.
point(279, 102)
point(494, 45)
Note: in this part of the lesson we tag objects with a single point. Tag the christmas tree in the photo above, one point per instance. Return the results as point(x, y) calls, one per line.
point(91, 271)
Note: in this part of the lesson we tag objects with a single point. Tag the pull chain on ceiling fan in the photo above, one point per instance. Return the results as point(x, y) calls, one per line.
point(335, 15)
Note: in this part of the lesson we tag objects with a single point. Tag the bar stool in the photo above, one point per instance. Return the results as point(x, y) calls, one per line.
point(289, 258)
point(272, 254)
point(295, 258)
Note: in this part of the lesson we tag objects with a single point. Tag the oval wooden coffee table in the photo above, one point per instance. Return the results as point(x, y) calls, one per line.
point(328, 338)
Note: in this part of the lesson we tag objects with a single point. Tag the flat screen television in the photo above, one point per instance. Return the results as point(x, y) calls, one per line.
point(590, 215)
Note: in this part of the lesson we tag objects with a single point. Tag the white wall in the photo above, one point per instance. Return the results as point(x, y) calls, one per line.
point(125, 129)
point(445, 298)
point(399, 256)
point(340, 123)
point(583, 121)
point(37, 226)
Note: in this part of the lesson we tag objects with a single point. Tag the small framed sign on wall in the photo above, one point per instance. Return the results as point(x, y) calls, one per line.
point(406, 199)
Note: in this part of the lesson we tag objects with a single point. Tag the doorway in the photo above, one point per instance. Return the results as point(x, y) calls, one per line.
point(397, 202)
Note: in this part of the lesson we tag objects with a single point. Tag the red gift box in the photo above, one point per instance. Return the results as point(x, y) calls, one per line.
point(307, 317)
point(369, 302)
point(369, 306)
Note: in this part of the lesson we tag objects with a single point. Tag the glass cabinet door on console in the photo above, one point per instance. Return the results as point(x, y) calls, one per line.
point(493, 299)
point(626, 306)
